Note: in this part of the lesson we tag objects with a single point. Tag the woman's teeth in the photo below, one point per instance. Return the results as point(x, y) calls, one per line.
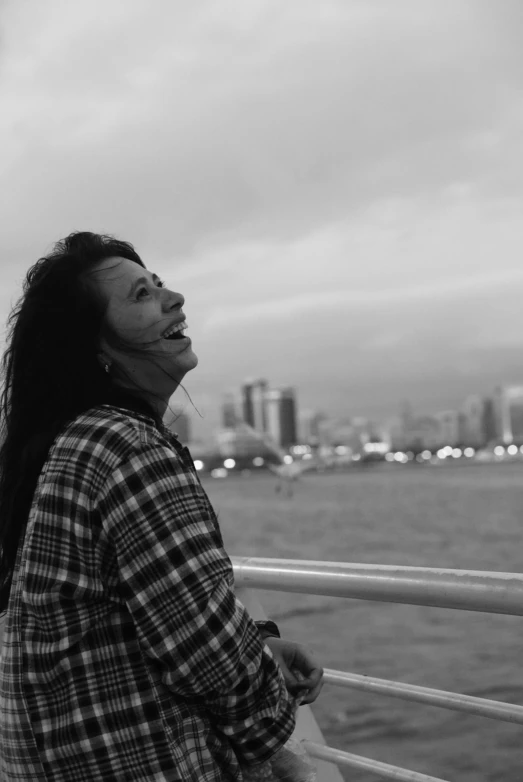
point(176, 332)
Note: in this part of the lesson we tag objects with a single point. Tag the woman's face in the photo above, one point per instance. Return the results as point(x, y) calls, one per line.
point(140, 310)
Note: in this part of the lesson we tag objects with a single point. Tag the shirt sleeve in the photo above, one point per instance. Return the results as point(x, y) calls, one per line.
point(175, 579)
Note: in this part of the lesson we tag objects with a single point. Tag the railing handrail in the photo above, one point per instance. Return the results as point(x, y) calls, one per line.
point(470, 590)
point(481, 707)
point(382, 770)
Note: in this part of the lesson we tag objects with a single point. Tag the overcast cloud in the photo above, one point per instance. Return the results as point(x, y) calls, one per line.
point(336, 187)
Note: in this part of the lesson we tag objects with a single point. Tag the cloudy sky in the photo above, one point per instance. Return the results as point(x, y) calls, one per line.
point(335, 186)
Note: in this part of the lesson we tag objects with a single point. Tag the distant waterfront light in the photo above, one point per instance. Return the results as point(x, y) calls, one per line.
point(307, 456)
point(376, 447)
point(419, 458)
point(457, 452)
point(341, 450)
point(258, 461)
point(229, 463)
point(198, 464)
point(499, 450)
point(448, 450)
point(512, 450)
point(521, 448)
point(389, 457)
point(399, 456)
point(442, 453)
point(288, 459)
point(219, 472)
point(300, 449)
point(356, 457)
point(469, 452)
point(426, 454)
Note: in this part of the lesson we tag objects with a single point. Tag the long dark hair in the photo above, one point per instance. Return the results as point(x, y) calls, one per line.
point(51, 373)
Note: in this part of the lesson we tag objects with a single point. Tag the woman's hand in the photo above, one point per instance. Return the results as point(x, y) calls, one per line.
point(300, 670)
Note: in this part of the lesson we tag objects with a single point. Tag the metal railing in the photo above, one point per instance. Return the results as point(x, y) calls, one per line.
point(470, 590)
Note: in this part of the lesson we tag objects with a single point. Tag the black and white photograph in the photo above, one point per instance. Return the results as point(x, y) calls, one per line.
point(261, 390)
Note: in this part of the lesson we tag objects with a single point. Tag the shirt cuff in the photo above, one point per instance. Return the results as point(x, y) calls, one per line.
point(268, 629)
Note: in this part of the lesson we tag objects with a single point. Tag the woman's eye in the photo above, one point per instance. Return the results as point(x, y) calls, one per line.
point(141, 292)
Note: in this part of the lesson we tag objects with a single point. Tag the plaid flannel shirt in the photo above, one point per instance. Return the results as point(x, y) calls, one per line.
point(126, 655)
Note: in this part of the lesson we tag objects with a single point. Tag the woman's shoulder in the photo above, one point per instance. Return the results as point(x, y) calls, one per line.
point(107, 430)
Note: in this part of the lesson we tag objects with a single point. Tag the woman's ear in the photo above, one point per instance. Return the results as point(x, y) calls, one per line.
point(104, 362)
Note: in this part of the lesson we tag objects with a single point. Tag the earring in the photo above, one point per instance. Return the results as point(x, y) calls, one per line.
point(107, 368)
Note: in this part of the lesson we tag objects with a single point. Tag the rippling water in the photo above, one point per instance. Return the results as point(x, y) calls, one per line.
point(459, 517)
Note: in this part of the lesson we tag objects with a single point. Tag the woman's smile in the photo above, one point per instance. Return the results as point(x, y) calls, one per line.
point(176, 331)
point(175, 335)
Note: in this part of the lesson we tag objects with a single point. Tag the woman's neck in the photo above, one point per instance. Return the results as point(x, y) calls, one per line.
point(138, 401)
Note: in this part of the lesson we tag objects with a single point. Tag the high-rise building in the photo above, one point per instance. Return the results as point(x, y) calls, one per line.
point(253, 403)
point(280, 408)
point(508, 413)
point(406, 415)
point(288, 418)
point(489, 421)
point(425, 433)
point(474, 421)
point(326, 427)
point(247, 408)
point(272, 409)
point(229, 412)
point(259, 390)
point(449, 426)
point(395, 433)
point(309, 422)
point(347, 431)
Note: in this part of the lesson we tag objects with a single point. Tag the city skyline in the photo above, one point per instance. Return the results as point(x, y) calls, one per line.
point(335, 187)
point(478, 420)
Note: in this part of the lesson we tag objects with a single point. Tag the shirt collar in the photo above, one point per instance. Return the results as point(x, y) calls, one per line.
point(148, 419)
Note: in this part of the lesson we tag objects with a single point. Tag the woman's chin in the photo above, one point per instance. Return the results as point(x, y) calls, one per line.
point(187, 360)
point(191, 358)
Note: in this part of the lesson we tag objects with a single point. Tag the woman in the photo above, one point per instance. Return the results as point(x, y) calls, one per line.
point(126, 654)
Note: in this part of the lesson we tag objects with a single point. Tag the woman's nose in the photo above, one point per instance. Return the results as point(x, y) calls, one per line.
point(173, 300)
